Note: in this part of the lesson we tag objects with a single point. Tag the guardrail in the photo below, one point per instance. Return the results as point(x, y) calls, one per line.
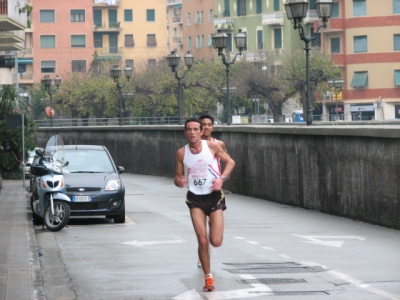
point(108, 121)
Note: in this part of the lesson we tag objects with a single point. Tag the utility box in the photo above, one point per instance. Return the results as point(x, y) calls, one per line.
point(297, 116)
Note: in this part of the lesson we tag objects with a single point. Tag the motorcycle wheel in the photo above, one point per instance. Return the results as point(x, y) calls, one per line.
point(60, 218)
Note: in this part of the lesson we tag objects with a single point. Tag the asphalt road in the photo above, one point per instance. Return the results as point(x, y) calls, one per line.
point(270, 251)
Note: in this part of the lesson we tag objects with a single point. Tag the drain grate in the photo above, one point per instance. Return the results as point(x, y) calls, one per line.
point(296, 293)
point(272, 280)
point(262, 265)
point(275, 270)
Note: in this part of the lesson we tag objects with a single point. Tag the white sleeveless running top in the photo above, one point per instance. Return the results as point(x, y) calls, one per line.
point(200, 169)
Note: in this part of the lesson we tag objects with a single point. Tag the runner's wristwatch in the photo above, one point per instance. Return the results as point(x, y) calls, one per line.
point(224, 178)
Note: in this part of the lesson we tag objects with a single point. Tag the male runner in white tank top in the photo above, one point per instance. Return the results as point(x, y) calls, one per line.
point(197, 168)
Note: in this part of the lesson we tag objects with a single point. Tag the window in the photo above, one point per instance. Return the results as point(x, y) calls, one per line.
point(360, 80)
point(47, 16)
point(199, 17)
point(151, 40)
point(77, 15)
point(396, 42)
point(189, 42)
point(278, 38)
point(97, 18)
point(150, 15)
point(335, 10)
point(211, 16)
point(227, 9)
point(48, 66)
point(335, 45)
point(359, 8)
point(151, 64)
point(396, 6)
point(276, 5)
point(129, 42)
point(360, 44)
point(78, 41)
point(317, 41)
point(313, 4)
point(98, 40)
point(397, 78)
point(130, 63)
point(200, 41)
point(78, 66)
point(241, 7)
point(260, 39)
point(259, 6)
point(188, 18)
point(47, 41)
point(128, 15)
point(21, 68)
point(209, 44)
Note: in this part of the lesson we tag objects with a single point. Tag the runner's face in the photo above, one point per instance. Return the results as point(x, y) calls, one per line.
point(207, 127)
point(193, 132)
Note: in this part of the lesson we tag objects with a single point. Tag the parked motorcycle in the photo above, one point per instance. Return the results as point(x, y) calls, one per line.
point(49, 202)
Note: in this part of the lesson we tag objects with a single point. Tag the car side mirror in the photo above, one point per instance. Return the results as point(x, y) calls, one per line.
point(120, 169)
point(66, 164)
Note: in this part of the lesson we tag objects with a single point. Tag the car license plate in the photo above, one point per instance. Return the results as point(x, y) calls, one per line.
point(81, 199)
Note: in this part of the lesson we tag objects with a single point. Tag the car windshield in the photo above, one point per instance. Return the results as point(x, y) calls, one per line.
point(88, 161)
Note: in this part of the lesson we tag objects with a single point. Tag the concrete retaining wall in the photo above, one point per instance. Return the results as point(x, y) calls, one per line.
point(350, 171)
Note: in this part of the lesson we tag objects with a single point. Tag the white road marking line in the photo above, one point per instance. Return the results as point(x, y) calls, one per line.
point(355, 281)
point(189, 295)
point(284, 256)
point(129, 221)
point(317, 239)
point(147, 243)
point(268, 248)
point(239, 238)
point(258, 290)
point(254, 243)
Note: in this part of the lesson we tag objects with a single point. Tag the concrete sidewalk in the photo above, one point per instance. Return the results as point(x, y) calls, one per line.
point(20, 274)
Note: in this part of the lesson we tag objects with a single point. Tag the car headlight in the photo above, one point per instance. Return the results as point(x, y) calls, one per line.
point(112, 185)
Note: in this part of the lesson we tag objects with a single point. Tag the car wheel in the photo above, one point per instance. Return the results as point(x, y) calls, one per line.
point(120, 218)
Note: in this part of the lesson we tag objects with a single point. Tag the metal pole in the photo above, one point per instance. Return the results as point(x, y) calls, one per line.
point(51, 108)
point(23, 151)
point(336, 106)
point(228, 115)
point(180, 100)
point(120, 103)
point(309, 102)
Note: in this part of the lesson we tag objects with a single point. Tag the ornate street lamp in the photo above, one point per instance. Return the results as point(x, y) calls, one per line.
point(296, 11)
point(173, 61)
point(220, 42)
point(336, 87)
point(46, 82)
point(115, 74)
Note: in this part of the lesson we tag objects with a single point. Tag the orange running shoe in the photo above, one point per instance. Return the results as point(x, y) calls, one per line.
point(209, 285)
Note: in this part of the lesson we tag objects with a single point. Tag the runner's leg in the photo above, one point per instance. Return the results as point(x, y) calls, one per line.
point(199, 224)
point(216, 228)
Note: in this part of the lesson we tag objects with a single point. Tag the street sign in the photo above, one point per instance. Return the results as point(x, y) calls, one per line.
point(13, 121)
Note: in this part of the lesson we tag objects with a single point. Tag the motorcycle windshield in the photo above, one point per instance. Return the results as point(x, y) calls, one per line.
point(54, 155)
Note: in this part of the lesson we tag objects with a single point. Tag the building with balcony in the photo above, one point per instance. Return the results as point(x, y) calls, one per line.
point(13, 21)
point(363, 38)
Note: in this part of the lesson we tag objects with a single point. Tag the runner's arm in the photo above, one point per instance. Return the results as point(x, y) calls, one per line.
point(179, 179)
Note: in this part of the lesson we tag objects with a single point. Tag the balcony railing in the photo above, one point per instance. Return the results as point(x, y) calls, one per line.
point(107, 2)
point(311, 16)
point(25, 76)
point(7, 62)
point(177, 19)
point(173, 2)
point(109, 51)
point(177, 40)
point(107, 26)
point(275, 18)
point(223, 23)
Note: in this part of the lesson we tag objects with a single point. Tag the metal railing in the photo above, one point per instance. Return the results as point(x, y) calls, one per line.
point(171, 120)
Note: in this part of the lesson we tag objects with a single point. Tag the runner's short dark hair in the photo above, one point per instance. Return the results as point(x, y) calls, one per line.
point(194, 120)
point(207, 116)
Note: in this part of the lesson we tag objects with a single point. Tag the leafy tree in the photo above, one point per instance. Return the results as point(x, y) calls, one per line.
point(292, 74)
point(11, 139)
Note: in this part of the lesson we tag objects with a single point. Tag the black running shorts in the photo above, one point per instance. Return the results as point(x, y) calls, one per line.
point(208, 203)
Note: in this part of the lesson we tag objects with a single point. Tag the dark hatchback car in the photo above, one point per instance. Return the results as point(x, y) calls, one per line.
point(93, 182)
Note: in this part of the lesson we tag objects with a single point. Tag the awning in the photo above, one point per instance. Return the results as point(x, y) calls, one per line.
point(362, 107)
point(25, 60)
point(397, 77)
point(178, 5)
point(359, 79)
